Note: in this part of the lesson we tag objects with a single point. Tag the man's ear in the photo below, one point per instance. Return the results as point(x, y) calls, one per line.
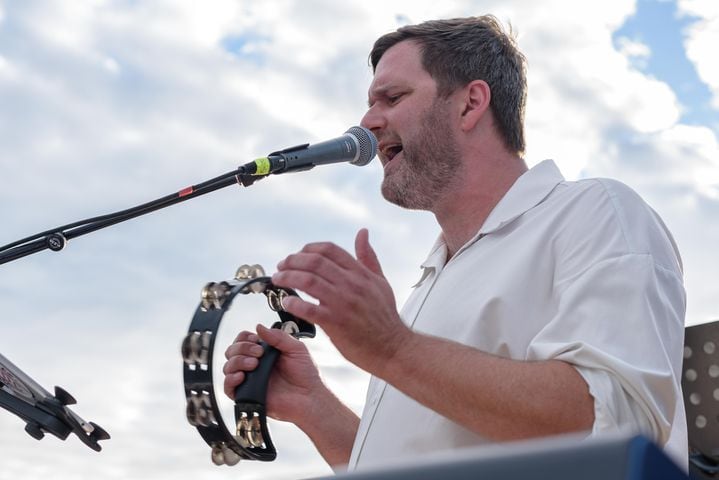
point(476, 96)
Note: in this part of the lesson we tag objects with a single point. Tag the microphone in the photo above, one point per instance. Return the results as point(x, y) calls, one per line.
point(357, 146)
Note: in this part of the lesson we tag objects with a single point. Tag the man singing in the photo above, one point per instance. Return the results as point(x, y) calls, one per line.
point(544, 307)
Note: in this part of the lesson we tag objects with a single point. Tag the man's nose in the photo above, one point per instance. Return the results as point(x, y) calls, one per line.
point(373, 119)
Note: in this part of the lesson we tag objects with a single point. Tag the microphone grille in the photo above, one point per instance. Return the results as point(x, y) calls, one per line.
point(367, 145)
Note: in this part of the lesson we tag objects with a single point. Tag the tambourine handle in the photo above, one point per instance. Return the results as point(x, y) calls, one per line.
point(254, 388)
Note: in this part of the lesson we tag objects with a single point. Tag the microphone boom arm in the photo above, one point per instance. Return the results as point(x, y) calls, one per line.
point(55, 239)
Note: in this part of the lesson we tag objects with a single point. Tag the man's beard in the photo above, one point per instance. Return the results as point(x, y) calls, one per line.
point(429, 164)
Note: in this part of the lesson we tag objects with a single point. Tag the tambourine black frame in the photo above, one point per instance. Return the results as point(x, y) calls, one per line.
point(252, 440)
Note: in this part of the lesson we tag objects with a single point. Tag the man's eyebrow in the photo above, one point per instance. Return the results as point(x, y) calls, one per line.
point(378, 92)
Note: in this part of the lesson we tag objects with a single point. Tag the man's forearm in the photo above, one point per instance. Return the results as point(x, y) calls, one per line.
point(498, 398)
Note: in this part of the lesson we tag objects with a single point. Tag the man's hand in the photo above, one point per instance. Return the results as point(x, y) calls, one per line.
point(295, 392)
point(294, 379)
point(356, 309)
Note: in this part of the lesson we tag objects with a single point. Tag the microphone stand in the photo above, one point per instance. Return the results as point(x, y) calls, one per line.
point(43, 411)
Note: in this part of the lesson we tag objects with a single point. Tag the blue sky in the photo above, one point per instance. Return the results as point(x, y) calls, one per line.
point(109, 104)
point(661, 27)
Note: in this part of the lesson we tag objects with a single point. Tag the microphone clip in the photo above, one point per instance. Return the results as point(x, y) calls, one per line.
point(247, 179)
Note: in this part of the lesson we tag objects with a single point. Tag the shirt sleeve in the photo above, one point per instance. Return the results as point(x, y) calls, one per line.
point(614, 408)
point(620, 324)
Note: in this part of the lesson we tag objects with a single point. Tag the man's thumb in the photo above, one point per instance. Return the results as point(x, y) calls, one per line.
point(279, 339)
point(365, 253)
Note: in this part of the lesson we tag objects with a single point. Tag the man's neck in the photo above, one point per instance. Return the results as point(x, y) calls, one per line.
point(480, 190)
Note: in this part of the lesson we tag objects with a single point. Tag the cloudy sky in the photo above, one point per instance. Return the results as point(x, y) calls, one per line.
point(105, 104)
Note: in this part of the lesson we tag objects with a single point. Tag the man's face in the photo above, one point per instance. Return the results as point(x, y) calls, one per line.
point(417, 146)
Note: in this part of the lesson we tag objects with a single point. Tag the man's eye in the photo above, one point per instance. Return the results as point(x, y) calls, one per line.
point(394, 98)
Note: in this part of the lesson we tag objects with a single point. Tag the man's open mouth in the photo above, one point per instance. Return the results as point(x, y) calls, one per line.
point(391, 151)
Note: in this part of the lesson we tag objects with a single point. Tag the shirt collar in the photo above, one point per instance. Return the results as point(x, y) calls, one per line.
point(435, 261)
point(527, 192)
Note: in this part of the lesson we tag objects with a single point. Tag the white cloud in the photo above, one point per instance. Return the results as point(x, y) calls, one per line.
point(583, 88)
point(702, 37)
point(633, 48)
point(111, 65)
point(4, 67)
point(701, 166)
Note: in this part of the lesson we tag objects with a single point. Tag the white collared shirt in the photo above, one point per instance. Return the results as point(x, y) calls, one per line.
point(584, 272)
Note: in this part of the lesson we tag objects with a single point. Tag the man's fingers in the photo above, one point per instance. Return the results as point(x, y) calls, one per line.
point(329, 251)
point(250, 349)
point(232, 381)
point(314, 285)
point(240, 364)
point(280, 339)
point(243, 348)
point(313, 313)
point(245, 336)
point(311, 262)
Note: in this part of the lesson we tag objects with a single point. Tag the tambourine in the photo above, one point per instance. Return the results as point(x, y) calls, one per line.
point(251, 440)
